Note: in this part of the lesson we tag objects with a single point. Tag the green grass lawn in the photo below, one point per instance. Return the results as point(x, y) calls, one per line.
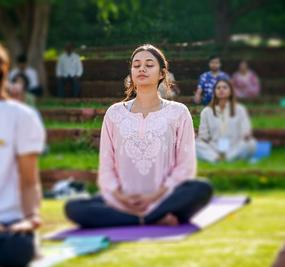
point(68, 155)
point(268, 121)
point(258, 122)
point(79, 155)
point(59, 103)
point(274, 162)
point(92, 124)
point(249, 238)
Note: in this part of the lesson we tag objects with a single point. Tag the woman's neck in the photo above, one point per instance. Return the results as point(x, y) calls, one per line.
point(222, 103)
point(147, 98)
point(243, 72)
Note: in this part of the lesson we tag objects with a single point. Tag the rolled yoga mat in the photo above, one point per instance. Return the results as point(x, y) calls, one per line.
point(218, 208)
point(70, 248)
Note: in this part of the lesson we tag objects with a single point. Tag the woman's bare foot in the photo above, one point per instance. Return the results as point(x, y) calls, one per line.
point(168, 219)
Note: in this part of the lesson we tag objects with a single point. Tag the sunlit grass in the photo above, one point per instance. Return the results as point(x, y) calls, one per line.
point(249, 238)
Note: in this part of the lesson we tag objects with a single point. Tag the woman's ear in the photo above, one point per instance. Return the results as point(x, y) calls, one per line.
point(162, 74)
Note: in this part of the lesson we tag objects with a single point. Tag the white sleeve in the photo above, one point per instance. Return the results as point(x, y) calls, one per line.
point(12, 74)
point(33, 78)
point(79, 67)
point(204, 132)
point(245, 122)
point(58, 71)
point(30, 133)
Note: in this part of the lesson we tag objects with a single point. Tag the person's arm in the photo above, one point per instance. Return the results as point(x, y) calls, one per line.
point(204, 130)
point(58, 69)
point(79, 68)
point(199, 91)
point(30, 140)
point(246, 129)
point(31, 193)
point(2, 228)
point(255, 84)
point(185, 162)
point(198, 95)
point(108, 180)
point(33, 75)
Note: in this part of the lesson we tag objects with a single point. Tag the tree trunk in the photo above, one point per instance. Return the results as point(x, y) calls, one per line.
point(222, 21)
point(38, 39)
point(25, 31)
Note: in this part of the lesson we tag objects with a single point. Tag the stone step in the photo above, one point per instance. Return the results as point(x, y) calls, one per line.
point(276, 136)
point(87, 114)
point(113, 88)
point(49, 177)
point(187, 100)
point(117, 69)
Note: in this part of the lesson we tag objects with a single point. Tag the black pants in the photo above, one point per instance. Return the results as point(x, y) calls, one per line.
point(37, 91)
point(16, 249)
point(61, 83)
point(186, 199)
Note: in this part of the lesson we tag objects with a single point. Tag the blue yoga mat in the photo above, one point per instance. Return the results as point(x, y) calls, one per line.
point(70, 248)
point(263, 149)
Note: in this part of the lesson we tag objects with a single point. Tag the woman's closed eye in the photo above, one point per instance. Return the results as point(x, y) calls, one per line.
point(138, 66)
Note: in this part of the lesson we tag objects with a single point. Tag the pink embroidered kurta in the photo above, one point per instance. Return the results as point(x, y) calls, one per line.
point(247, 85)
point(139, 154)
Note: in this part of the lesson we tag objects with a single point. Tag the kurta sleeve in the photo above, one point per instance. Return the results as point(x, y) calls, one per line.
point(204, 131)
point(245, 122)
point(255, 84)
point(108, 179)
point(185, 154)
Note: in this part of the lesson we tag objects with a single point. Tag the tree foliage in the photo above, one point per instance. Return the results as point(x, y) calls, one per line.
point(108, 22)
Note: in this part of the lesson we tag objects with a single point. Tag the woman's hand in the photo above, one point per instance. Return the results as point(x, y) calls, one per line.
point(26, 225)
point(2, 228)
point(138, 204)
point(132, 202)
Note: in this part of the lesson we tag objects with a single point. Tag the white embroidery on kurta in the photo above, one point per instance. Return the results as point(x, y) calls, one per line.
point(144, 138)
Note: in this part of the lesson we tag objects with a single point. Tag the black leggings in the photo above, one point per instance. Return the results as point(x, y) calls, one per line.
point(186, 199)
point(16, 249)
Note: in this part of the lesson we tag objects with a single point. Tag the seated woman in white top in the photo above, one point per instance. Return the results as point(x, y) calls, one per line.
point(21, 140)
point(147, 156)
point(225, 130)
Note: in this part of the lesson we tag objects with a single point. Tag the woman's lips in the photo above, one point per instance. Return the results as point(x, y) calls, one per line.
point(141, 76)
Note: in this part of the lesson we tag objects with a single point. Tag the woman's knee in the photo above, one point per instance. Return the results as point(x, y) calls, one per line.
point(201, 186)
point(73, 209)
point(21, 245)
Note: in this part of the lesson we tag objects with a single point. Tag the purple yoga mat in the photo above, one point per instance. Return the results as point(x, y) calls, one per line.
point(217, 209)
point(131, 233)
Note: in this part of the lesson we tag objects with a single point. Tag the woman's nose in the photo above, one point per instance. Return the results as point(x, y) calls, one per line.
point(142, 68)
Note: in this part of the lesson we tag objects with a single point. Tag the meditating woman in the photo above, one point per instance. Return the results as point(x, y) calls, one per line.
point(225, 130)
point(147, 156)
point(246, 82)
point(21, 140)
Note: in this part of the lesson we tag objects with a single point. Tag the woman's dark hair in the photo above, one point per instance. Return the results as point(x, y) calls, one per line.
point(4, 67)
point(23, 77)
point(232, 100)
point(130, 90)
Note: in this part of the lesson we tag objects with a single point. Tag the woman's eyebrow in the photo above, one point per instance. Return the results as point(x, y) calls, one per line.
point(138, 60)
